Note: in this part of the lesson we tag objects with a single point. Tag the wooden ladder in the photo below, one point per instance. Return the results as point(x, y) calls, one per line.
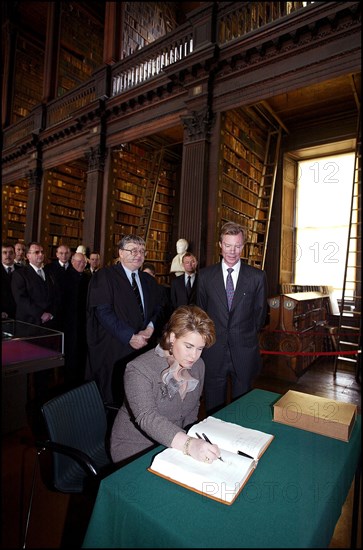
point(261, 224)
point(150, 195)
point(350, 320)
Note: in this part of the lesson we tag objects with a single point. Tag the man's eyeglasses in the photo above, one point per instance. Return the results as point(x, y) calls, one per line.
point(135, 251)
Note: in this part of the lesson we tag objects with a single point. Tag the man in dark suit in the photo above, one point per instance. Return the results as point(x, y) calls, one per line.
point(123, 312)
point(183, 289)
point(36, 294)
point(8, 305)
point(59, 270)
point(75, 321)
point(165, 301)
point(20, 258)
point(37, 298)
point(235, 354)
point(94, 263)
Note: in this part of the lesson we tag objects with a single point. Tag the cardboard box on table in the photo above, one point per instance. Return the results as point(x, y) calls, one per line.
point(321, 415)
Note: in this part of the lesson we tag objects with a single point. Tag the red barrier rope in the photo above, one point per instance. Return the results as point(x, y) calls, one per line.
point(309, 353)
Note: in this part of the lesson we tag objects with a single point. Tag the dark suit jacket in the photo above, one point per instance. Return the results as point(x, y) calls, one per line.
point(178, 292)
point(60, 274)
point(112, 300)
point(238, 329)
point(33, 296)
point(8, 304)
point(75, 322)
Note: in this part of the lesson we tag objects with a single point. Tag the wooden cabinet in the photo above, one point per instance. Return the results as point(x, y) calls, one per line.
point(296, 331)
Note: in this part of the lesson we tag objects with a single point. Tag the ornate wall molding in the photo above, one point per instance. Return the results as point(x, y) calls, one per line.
point(96, 158)
point(198, 125)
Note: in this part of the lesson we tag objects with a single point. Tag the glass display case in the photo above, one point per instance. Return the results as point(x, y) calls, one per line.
point(29, 348)
point(26, 349)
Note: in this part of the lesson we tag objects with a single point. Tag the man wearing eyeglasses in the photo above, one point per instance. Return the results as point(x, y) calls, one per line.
point(36, 292)
point(123, 314)
point(234, 294)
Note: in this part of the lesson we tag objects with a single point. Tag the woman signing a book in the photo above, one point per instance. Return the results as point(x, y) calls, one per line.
point(163, 388)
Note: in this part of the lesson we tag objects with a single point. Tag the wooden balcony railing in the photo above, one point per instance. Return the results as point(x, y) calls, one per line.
point(62, 108)
point(151, 60)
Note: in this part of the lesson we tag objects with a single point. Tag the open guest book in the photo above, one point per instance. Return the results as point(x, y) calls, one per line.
point(221, 480)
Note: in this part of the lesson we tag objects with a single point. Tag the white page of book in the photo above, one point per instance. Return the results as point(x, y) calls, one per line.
point(232, 437)
point(218, 479)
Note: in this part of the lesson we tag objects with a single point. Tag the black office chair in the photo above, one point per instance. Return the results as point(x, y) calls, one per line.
point(77, 426)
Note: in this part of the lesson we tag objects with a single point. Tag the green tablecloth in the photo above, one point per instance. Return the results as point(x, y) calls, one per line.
point(293, 499)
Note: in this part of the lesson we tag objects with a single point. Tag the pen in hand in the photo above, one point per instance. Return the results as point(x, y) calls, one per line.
point(208, 441)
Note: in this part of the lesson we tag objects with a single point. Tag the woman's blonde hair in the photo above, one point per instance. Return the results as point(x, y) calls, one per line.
point(189, 319)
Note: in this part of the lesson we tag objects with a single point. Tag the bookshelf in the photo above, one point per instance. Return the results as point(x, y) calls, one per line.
point(247, 177)
point(145, 23)
point(29, 76)
point(81, 48)
point(133, 174)
point(14, 205)
point(64, 192)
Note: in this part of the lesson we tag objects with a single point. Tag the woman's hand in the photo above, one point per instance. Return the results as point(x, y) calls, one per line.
point(196, 448)
point(203, 451)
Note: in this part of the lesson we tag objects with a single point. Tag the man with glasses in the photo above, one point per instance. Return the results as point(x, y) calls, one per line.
point(37, 296)
point(234, 294)
point(123, 314)
point(36, 293)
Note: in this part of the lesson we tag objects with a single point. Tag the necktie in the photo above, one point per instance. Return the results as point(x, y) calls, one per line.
point(229, 287)
point(189, 286)
point(9, 270)
point(40, 273)
point(135, 288)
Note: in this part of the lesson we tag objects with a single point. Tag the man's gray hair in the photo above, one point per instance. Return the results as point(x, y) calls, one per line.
point(134, 239)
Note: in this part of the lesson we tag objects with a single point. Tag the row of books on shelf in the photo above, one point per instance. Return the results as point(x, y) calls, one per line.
point(235, 149)
point(69, 192)
point(239, 126)
point(66, 231)
point(290, 288)
point(239, 205)
point(240, 191)
point(234, 173)
point(122, 174)
point(241, 164)
point(72, 241)
point(153, 244)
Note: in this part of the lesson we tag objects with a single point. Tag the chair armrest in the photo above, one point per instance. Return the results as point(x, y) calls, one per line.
point(82, 458)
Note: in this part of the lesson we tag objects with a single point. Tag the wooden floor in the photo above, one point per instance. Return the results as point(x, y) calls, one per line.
point(59, 520)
